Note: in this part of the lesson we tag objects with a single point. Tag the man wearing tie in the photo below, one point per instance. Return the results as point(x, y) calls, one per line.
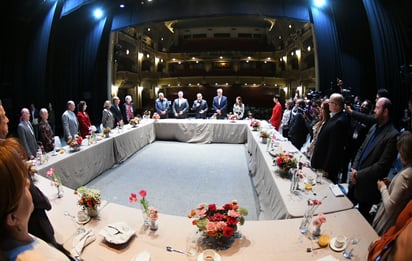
point(200, 107)
point(220, 104)
point(162, 105)
point(117, 113)
point(180, 106)
point(26, 134)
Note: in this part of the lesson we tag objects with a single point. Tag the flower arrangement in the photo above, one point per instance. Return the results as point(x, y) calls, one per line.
point(120, 124)
point(255, 124)
point(31, 167)
point(232, 117)
point(149, 211)
point(89, 198)
point(134, 121)
point(51, 173)
point(75, 142)
point(286, 161)
point(156, 116)
point(313, 204)
point(319, 220)
point(218, 222)
point(264, 134)
point(92, 130)
point(106, 131)
point(146, 114)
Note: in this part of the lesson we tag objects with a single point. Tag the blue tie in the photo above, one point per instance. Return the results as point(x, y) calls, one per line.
point(369, 146)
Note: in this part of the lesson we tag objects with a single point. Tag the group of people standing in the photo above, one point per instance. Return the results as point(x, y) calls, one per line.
point(181, 107)
point(359, 146)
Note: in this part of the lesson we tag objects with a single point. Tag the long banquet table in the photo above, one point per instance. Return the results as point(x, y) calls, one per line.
point(261, 240)
point(277, 202)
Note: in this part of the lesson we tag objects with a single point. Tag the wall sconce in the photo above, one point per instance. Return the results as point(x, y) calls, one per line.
point(298, 53)
point(140, 89)
point(157, 90)
point(285, 89)
point(157, 61)
point(140, 56)
point(285, 59)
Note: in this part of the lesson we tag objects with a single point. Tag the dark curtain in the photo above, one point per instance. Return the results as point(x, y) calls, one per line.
point(388, 50)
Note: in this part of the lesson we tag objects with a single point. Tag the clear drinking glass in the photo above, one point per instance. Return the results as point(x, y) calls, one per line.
point(352, 242)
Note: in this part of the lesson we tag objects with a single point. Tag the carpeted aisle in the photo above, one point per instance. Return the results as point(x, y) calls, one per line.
point(178, 176)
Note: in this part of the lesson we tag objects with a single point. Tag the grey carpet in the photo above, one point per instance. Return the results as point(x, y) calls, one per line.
point(178, 176)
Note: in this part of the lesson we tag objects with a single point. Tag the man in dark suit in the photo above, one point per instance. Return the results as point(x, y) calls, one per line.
point(26, 134)
point(162, 106)
point(180, 106)
point(219, 104)
point(329, 151)
point(117, 113)
point(298, 130)
point(200, 107)
point(374, 159)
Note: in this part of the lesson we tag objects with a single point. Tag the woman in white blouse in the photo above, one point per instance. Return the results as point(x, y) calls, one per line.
point(397, 194)
point(239, 108)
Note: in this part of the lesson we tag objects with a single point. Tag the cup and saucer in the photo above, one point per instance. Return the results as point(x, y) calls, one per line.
point(338, 243)
point(209, 255)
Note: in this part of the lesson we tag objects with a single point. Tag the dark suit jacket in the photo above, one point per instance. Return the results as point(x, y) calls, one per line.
point(117, 114)
point(184, 107)
point(27, 139)
point(329, 151)
point(200, 106)
point(376, 165)
point(222, 106)
point(298, 132)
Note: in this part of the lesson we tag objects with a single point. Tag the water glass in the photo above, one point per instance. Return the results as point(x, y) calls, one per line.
point(348, 252)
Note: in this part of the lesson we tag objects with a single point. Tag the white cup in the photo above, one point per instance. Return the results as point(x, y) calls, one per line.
point(209, 255)
point(340, 241)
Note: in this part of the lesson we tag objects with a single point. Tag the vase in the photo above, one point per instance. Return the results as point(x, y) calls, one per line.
point(264, 140)
point(316, 231)
point(92, 211)
point(60, 191)
point(283, 172)
point(74, 149)
point(218, 243)
point(153, 225)
point(255, 128)
point(146, 219)
point(307, 218)
point(107, 135)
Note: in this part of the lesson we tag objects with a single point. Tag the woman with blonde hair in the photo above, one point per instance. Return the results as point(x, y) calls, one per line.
point(323, 117)
point(107, 115)
point(16, 206)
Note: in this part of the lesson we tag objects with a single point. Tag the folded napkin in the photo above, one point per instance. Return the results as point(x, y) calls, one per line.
point(117, 233)
point(82, 240)
point(328, 258)
point(143, 256)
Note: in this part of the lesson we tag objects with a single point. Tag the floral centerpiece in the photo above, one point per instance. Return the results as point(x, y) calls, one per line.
point(75, 142)
point(56, 181)
point(218, 223)
point(255, 124)
point(156, 116)
point(150, 214)
point(133, 122)
point(317, 223)
point(285, 162)
point(146, 114)
point(89, 199)
point(232, 117)
point(106, 131)
point(313, 204)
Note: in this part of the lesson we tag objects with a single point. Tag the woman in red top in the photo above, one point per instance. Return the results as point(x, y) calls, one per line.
point(276, 113)
point(84, 119)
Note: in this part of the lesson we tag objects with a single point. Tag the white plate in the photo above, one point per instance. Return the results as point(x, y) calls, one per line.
point(337, 249)
point(117, 233)
point(84, 221)
point(200, 257)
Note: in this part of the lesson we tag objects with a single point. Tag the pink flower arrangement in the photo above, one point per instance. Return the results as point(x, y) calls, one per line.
point(51, 173)
point(255, 124)
point(218, 221)
point(156, 116)
point(319, 220)
point(150, 211)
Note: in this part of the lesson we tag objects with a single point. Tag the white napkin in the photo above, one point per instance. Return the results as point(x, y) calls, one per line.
point(117, 233)
point(82, 240)
point(328, 258)
point(143, 256)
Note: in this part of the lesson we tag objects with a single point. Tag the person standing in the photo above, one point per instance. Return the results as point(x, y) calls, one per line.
point(200, 107)
point(219, 104)
point(276, 117)
point(84, 119)
point(180, 106)
point(117, 113)
point(298, 131)
point(162, 106)
point(323, 117)
point(374, 159)
point(69, 122)
point(128, 109)
point(107, 116)
point(286, 118)
point(239, 108)
point(26, 134)
point(4, 121)
point(46, 134)
point(329, 151)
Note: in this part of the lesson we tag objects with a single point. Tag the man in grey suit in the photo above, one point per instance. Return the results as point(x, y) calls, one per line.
point(374, 159)
point(70, 122)
point(180, 106)
point(219, 104)
point(26, 134)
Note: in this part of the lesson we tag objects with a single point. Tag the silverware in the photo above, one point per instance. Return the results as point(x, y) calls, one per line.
point(115, 228)
point(309, 249)
point(171, 249)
